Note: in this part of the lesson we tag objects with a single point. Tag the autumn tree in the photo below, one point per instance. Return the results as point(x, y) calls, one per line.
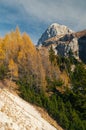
point(2, 55)
point(52, 56)
point(13, 70)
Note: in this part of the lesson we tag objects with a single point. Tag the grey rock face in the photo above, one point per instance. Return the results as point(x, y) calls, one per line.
point(54, 30)
point(64, 41)
point(64, 48)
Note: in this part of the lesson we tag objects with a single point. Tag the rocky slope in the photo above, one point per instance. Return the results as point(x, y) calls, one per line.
point(16, 114)
point(80, 34)
point(64, 40)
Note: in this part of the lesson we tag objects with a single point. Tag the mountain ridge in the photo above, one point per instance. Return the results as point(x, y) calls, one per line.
point(54, 30)
point(63, 42)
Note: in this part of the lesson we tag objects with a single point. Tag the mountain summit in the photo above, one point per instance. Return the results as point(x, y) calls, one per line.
point(54, 30)
point(64, 41)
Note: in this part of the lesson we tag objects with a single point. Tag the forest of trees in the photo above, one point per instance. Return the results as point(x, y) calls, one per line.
point(39, 77)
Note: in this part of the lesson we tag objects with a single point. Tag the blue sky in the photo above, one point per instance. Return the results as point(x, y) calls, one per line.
point(34, 16)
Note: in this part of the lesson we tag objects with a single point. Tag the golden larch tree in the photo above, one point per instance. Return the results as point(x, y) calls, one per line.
point(13, 70)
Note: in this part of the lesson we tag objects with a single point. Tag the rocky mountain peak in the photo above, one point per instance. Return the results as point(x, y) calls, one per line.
point(53, 30)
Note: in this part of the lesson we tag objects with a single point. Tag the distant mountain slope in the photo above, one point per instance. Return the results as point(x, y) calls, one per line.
point(16, 114)
point(80, 34)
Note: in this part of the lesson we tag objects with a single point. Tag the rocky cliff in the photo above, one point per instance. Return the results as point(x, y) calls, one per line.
point(54, 30)
point(64, 41)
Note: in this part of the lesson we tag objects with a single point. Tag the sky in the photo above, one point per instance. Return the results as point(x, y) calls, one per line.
point(34, 16)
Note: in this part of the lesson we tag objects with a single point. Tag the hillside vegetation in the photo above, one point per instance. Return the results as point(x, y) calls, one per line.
point(55, 83)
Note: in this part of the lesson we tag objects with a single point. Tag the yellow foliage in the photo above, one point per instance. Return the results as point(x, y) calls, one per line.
point(2, 53)
point(13, 68)
point(20, 55)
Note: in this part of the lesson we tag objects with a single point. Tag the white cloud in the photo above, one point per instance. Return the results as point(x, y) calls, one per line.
point(57, 10)
point(32, 13)
point(53, 10)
